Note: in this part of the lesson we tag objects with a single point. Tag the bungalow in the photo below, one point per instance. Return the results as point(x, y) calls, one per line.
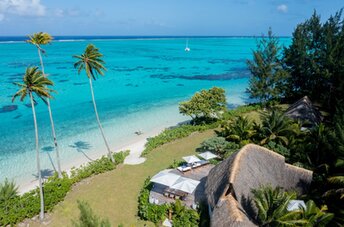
point(229, 184)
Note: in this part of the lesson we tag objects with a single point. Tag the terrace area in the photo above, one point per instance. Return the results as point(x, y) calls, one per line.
point(160, 193)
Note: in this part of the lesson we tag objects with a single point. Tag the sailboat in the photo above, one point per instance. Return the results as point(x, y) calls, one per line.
point(187, 49)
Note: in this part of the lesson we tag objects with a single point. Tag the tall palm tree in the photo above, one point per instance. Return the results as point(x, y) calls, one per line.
point(35, 83)
point(91, 61)
point(39, 39)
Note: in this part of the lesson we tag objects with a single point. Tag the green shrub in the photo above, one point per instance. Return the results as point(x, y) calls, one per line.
point(87, 217)
point(215, 144)
point(55, 190)
point(181, 216)
point(278, 148)
point(147, 211)
point(220, 146)
point(240, 110)
point(120, 156)
point(172, 134)
point(176, 163)
point(98, 166)
point(230, 149)
point(8, 191)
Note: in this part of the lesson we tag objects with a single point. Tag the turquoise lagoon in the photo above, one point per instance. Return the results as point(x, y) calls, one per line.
point(144, 82)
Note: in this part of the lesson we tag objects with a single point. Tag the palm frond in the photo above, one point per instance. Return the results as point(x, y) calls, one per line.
point(34, 82)
point(91, 61)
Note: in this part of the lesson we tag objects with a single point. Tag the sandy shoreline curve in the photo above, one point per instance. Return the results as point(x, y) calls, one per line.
point(135, 145)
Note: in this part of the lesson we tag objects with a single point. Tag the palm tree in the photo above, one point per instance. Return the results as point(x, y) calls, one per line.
point(314, 216)
point(35, 83)
point(39, 39)
point(91, 61)
point(276, 127)
point(239, 130)
point(272, 206)
point(8, 191)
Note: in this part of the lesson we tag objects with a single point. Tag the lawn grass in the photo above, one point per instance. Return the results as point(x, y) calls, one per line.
point(254, 116)
point(114, 194)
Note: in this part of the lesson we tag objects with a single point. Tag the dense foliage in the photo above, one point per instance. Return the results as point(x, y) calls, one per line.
point(15, 208)
point(312, 65)
point(219, 146)
point(315, 64)
point(181, 216)
point(272, 206)
point(171, 134)
point(87, 217)
point(98, 166)
point(268, 76)
point(205, 105)
point(315, 60)
point(239, 130)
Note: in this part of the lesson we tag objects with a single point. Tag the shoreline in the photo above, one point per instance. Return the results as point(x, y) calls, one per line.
point(135, 145)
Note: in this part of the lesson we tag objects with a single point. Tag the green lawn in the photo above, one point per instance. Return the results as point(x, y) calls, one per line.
point(114, 194)
point(255, 115)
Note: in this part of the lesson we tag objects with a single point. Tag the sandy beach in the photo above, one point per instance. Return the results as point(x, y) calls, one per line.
point(135, 145)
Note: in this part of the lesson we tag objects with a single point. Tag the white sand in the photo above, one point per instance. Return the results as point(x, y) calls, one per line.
point(136, 146)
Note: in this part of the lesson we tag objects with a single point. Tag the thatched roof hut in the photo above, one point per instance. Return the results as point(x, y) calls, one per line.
point(304, 110)
point(229, 184)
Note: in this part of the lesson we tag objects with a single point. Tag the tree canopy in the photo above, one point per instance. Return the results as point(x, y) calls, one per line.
point(268, 76)
point(206, 104)
point(315, 60)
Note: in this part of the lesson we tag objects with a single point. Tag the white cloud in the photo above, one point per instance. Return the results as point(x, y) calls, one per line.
point(58, 12)
point(73, 12)
point(2, 17)
point(21, 8)
point(282, 8)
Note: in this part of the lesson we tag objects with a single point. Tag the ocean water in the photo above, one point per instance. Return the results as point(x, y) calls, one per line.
point(145, 80)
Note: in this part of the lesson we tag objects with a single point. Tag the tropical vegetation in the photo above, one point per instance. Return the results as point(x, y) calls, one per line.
point(34, 83)
point(92, 63)
point(15, 208)
point(87, 217)
point(181, 216)
point(268, 75)
point(39, 39)
point(272, 205)
point(314, 63)
point(205, 106)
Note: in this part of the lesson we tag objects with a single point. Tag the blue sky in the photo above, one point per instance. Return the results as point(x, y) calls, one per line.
point(158, 17)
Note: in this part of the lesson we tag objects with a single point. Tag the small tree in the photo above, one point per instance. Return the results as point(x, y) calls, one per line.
point(239, 130)
point(272, 206)
point(88, 219)
point(215, 144)
point(208, 104)
point(268, 77)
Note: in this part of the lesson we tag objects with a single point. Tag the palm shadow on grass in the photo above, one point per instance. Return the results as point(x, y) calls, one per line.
point(80, 146)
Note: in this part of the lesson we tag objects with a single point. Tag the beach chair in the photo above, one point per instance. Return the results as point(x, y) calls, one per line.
point(184, 168)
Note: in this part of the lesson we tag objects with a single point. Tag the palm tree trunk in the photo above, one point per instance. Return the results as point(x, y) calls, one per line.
point(100, 126)
point(52, 123)
point(41, 214)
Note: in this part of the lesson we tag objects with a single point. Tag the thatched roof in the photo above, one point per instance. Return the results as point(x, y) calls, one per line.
point(229, 184)
point(304, 110)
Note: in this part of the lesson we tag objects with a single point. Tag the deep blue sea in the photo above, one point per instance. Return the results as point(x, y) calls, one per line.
point(146, 78)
